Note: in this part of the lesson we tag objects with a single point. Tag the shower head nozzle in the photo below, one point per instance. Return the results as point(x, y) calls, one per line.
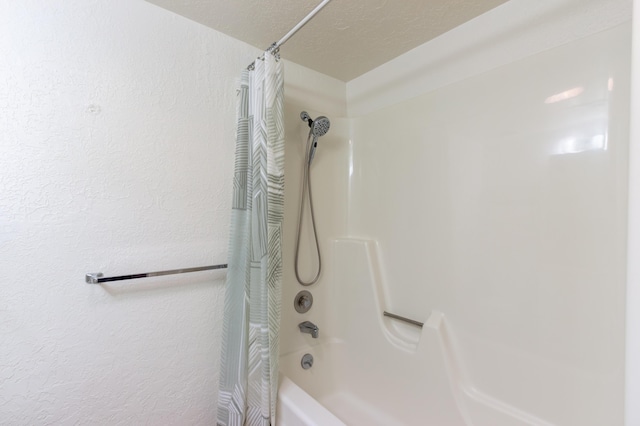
point(320, 126)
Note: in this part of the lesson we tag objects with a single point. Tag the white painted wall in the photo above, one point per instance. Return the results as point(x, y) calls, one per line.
point(116, 155)
point(117, 123)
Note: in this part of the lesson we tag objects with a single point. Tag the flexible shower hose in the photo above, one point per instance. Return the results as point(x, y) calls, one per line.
point(306, 188)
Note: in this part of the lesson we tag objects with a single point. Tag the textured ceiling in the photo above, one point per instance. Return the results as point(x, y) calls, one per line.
point(346, 39)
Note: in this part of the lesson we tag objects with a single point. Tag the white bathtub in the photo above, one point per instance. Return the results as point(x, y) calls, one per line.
point(335, 392)
point(383, 372)
point(298, 408)
point(344, 388)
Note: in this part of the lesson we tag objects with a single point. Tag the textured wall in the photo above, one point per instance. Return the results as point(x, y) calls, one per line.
point(116, 151)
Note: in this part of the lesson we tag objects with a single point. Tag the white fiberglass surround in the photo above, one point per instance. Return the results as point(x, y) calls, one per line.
point(632, 359)
point(493, 209)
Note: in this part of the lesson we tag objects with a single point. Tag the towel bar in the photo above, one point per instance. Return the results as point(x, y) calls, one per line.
point(98, 277)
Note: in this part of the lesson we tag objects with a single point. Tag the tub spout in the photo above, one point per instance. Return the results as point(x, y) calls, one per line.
point(309, 327)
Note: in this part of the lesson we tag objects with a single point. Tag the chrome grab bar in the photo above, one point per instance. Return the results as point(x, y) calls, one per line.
point(398, 317)
point(98, 277)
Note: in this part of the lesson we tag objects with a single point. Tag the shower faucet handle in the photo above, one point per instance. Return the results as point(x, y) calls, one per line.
point(303, 301)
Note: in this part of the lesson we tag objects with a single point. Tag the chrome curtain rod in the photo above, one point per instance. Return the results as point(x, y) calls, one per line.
point(276, 45)
point(98, 277)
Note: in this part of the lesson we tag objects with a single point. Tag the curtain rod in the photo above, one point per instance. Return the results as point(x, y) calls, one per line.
point(276, 45)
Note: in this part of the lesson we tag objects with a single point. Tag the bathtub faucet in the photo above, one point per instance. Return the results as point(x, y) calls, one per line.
point(309, 327)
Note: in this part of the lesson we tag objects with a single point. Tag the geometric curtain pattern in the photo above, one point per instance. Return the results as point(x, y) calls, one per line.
point(249, 359)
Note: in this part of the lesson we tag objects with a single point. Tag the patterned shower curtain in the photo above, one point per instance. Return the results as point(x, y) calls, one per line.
point(249, 362)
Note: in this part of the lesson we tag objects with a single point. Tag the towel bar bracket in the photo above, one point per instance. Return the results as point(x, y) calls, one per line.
point(93, 277)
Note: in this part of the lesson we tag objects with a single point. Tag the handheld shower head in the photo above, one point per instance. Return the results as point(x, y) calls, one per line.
point(319, 127)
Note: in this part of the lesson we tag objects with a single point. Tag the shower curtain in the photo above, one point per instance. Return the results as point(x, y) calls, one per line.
point(249, 361)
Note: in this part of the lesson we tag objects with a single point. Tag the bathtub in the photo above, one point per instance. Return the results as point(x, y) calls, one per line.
point(347, 387)
point(327, 390)
point(295, 407)
point(371, 370)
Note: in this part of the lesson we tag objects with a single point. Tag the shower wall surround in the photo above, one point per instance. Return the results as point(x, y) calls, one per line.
point(487, 179)
point(318, 95)
point(501, 201)
point(512, 31)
